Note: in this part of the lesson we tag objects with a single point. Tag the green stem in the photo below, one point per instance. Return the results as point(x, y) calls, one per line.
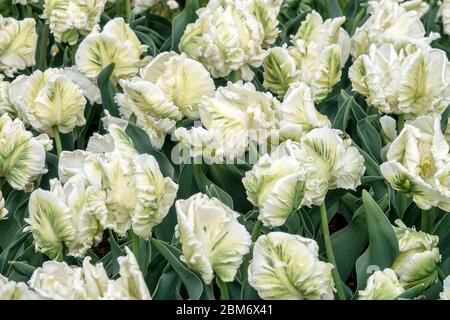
point(356, 20)
point(43, 46)
point(224, 295)
point(2, 183)
point(330, 253)
point(400, 123)
point(246, 261)
point(57, 138)
point(127, 9)
point(135, 244)
point(428, 217)
point(403, 198)
point(256, 230)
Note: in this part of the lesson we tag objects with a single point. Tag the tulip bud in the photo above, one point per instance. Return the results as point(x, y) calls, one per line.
point(382, 285)
point(416, 262)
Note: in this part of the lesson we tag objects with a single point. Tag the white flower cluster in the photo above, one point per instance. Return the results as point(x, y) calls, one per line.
point(108, 186)
point(318, 53)
point(59, 281)
point(170, 86)
point(301, 173)
point(395, 68)
point(392, 22)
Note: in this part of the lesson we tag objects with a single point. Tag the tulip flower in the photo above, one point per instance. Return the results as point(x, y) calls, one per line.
point(330, 162)
point(412, 84)
point(183, 80)
point(226, 38)
point(22, 159)
point(419, 165)
point(131, 284)
point(68, 18)
point(117, 44)
point(382, 285)
point(390, 23)
point(287, 267)
point(319, 51)
point(50, 101)
point(276, 186)
point(213, 241)
point(18, 41)
point(298, 113)
point(416, 262)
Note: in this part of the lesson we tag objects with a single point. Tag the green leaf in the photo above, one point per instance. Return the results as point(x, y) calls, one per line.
point(22, 268)
point(142, 144)
point(442, 230)
point(193, 284)
point(207, 186)
point(444, 119)
point(12, 250)
point(411, 292)
point(168, 285)
point(383, 244)
point(43, 45)
point(345, 103)
point(116, 252)
point(185, 181)
point(108, 90)
point(214, 191)
point(148, 41)
point(145, 255)
point(370, 137)
point(349, 243)
point(181, 20)
point(334, 10)
point(166, 229)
